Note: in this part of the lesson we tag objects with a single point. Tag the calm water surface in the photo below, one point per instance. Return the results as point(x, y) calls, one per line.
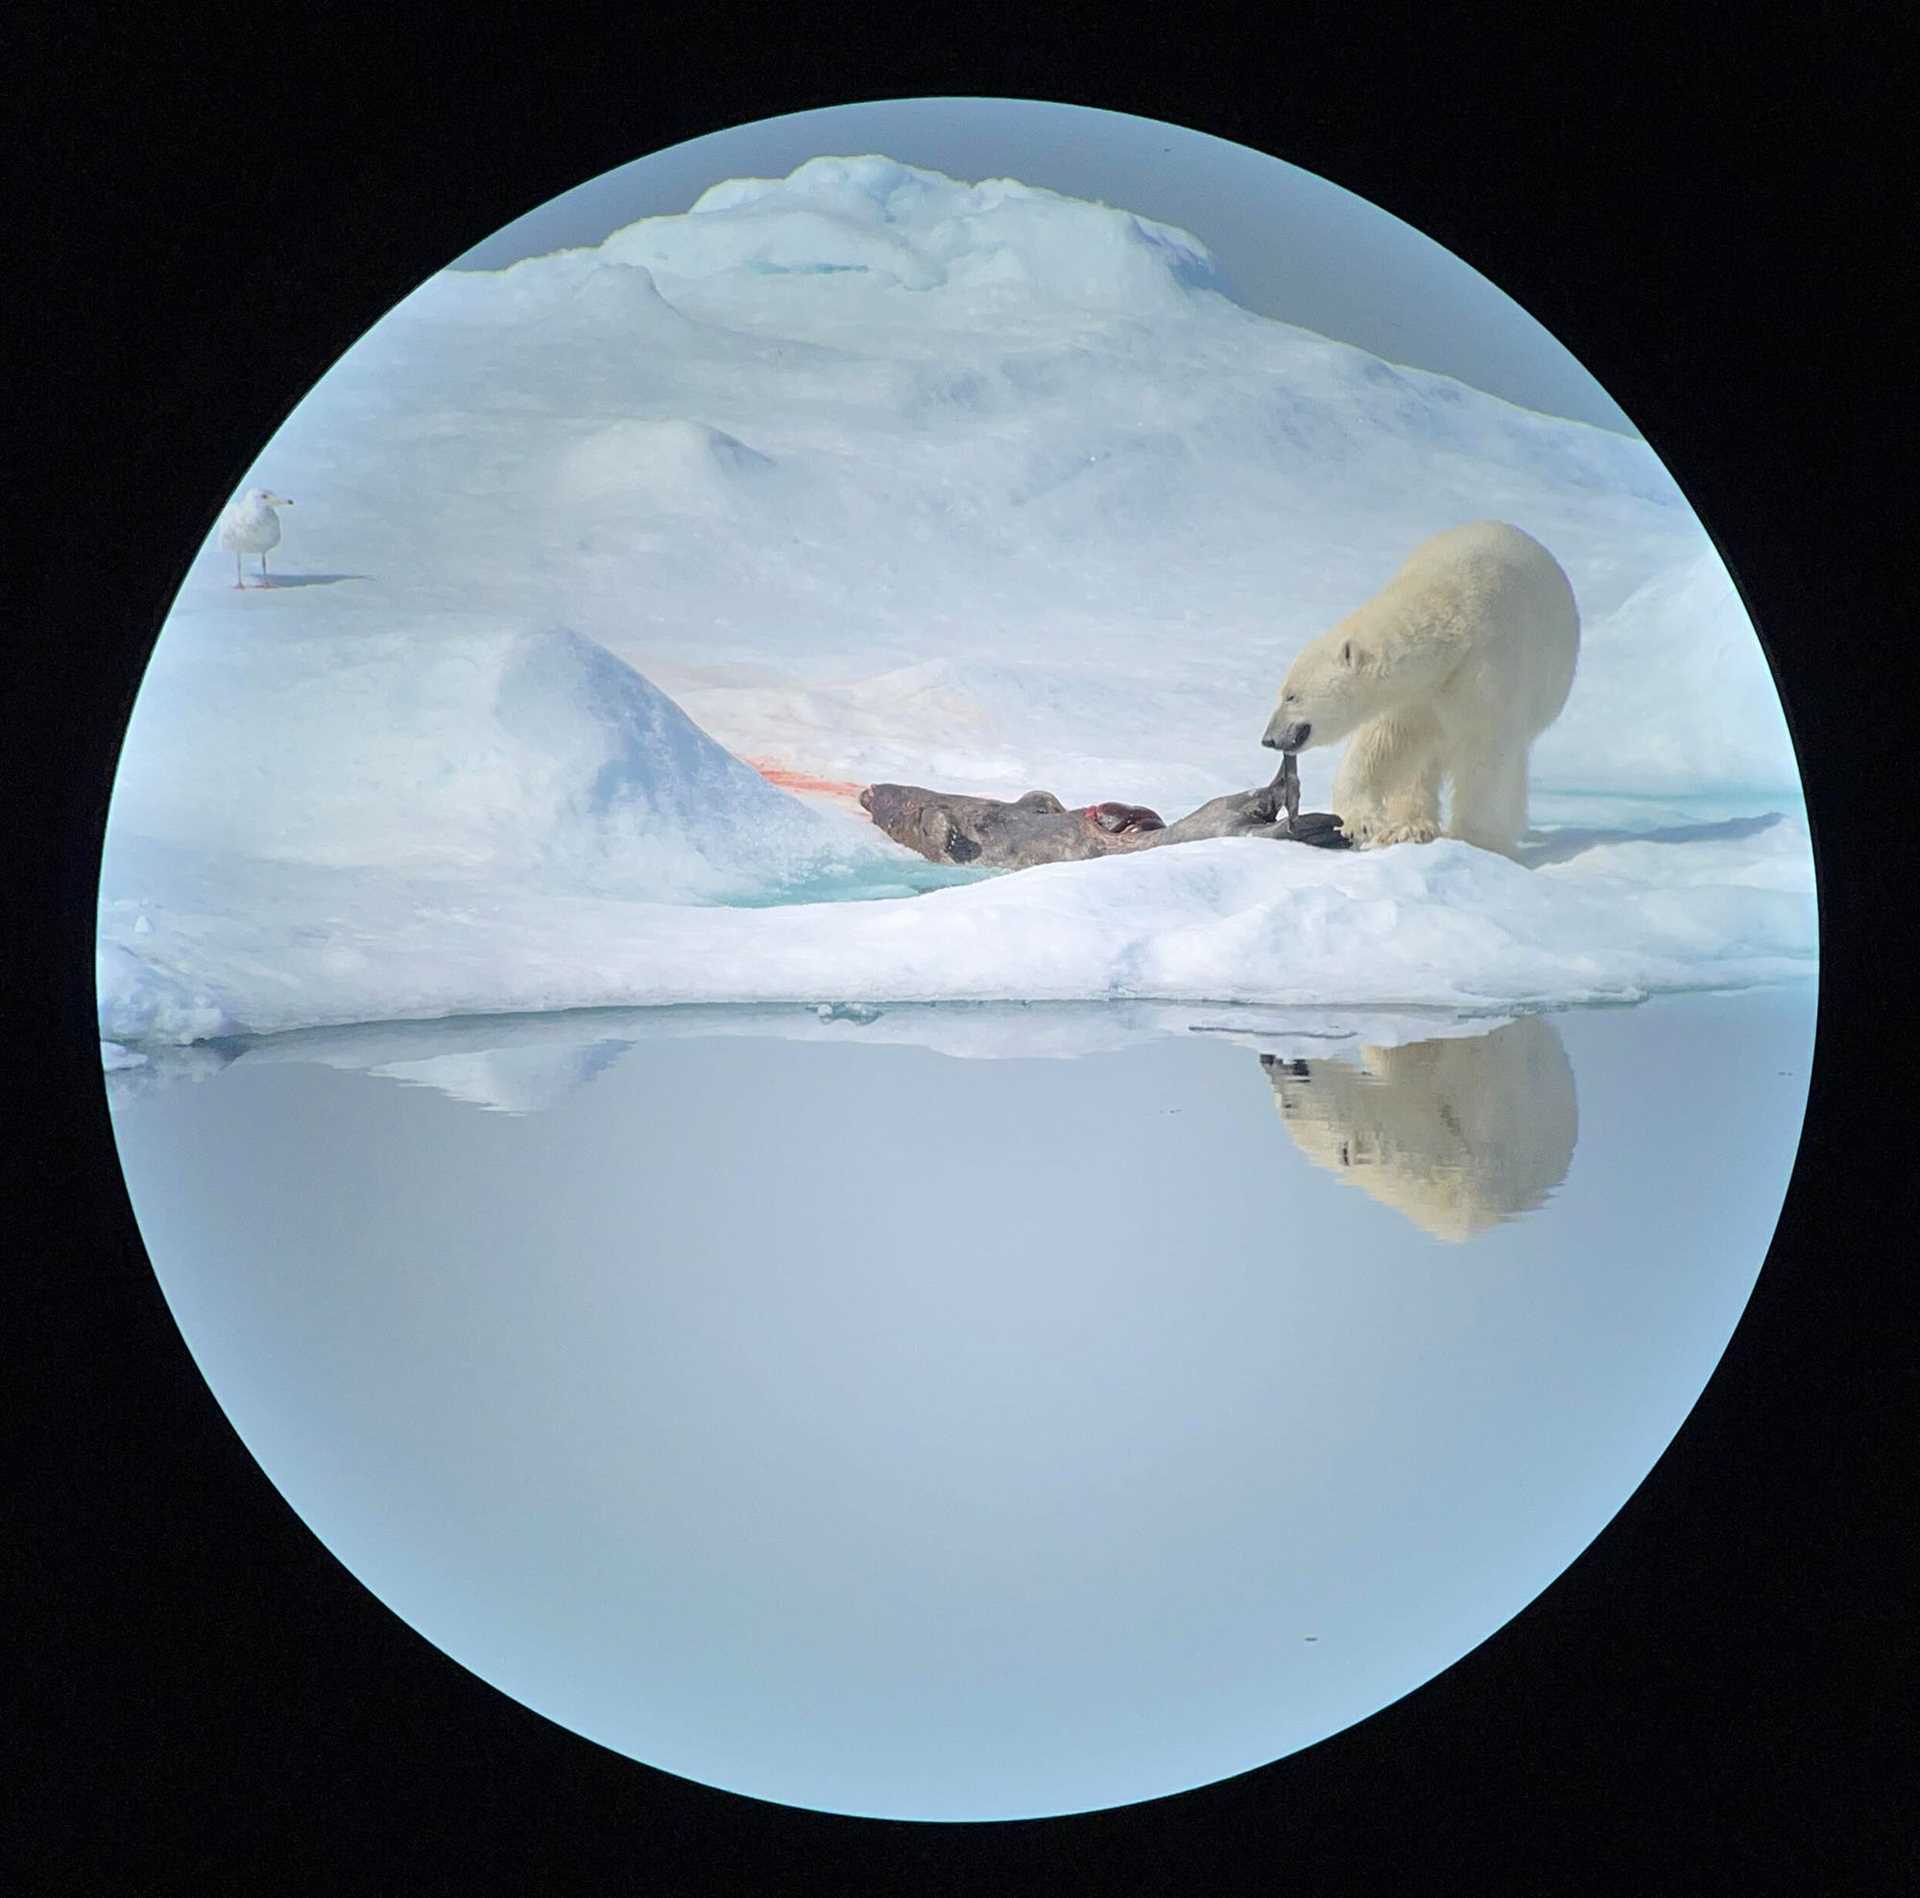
point(966, 1412)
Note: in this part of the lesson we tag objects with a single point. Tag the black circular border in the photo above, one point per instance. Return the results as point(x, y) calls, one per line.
point(207, 213)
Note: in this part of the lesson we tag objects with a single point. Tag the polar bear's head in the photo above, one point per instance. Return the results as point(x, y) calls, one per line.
point(1331, 690)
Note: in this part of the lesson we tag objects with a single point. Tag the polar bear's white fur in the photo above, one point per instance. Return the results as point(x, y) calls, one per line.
point(1456, 1135)
point(1449, 672)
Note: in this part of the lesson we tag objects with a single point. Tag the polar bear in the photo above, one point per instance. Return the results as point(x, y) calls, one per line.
point(1458, 1134)
point(1450, 671)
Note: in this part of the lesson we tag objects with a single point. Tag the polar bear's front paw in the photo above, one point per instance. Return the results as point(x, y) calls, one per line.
point(1415, 830)
point(1376, 833)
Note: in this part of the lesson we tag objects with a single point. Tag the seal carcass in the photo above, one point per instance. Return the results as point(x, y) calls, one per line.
point(1000, 834)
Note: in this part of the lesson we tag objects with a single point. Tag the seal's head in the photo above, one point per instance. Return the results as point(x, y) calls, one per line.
point(920, 819)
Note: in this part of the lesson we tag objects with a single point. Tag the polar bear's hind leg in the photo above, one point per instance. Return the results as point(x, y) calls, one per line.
point(1489, 805)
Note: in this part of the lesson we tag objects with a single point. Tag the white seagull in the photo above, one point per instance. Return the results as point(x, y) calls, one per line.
point(251, 526)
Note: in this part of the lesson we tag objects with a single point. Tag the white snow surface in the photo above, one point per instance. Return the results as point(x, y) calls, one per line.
point(867, 473)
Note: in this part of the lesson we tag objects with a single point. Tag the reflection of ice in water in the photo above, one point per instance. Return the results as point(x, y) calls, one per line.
point(1457, 1134)
point(960, 1415)
point(160, 1068)
point(1456, 1126)
point(1452, 1124)
point(522, 1064)
point(861, 1014)
point(507, 1080)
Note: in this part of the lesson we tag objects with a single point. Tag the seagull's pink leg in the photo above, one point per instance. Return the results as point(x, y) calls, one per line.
point(237, 581)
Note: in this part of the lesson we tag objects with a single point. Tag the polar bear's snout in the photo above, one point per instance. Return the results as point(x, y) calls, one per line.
point(1287, 735)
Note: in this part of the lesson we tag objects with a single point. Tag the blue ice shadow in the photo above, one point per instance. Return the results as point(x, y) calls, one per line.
point(1558, 846)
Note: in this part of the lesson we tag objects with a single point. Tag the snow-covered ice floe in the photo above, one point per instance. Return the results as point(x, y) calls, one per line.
point(866, 474)
point(1229, 919)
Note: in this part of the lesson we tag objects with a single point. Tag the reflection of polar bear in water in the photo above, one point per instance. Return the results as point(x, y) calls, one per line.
point(1457, 1135)
point(1449, 672)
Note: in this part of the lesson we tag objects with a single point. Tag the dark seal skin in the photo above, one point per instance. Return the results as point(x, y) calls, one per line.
point(994, 834)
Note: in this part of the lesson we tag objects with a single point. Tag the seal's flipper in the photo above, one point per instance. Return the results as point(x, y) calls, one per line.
point(1322, 829)
point(1283, 794)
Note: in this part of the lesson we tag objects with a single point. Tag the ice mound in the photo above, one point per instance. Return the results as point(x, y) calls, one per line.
point(583, 285)
point(1686, 629)
point(530, 756)
point(902, 227)
point(145, 1000)
point(673, 464)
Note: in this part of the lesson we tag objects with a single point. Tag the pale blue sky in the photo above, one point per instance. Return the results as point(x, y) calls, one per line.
point(1288, 244)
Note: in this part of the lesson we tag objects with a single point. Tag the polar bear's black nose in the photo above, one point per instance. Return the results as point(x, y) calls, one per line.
point(1288, 737)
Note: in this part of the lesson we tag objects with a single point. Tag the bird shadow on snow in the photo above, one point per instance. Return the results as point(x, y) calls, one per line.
point(283, 580)
point(1558, 846)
